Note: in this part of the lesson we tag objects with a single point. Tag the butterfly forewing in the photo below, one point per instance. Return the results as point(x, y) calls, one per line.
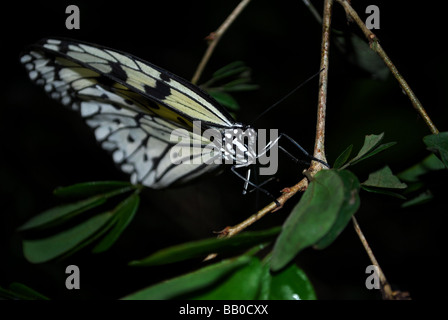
point(133, 107)
point(163, 92)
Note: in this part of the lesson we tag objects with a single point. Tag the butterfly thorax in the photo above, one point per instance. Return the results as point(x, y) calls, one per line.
point(239, 146)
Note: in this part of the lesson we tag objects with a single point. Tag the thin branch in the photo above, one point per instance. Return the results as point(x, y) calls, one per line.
point(385, 286)
point(386, 289)
point(319, 145)
point(214, 38)
point(375, 46)
point(287, 193)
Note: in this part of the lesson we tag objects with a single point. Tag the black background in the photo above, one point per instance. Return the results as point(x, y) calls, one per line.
point(45, 146)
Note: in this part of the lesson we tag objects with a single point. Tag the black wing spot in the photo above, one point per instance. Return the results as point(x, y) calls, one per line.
point(131, 139)
point(160, 91)
point(106, 82)
point(117, 71)
point(164, 77)
point(129, 102)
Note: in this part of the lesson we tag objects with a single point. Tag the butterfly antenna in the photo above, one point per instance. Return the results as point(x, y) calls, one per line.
point(287, 96)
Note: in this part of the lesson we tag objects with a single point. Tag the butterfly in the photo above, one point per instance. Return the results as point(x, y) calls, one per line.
point(139, 112)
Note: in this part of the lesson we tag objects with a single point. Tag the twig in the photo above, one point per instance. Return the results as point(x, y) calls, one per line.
point(287, 193)
point(388, 293)
point(385, 286)
point(214, 38)
point(375, 46)
point(319, 145)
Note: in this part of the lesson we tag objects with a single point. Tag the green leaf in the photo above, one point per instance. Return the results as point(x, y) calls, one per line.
point(290, 283)
point(201, 248)
point(348, 208)
point(62, 213)
point(42, 250)
point(19, 291)
point(225, 99)
point(87, 189)
point(191, 282)
point(375, 151)
point(420, 199)
point(230, 70)
point(370, 142)
point(438, 143)
point(413, 173)
point(383, 191)
point(370, 148)
point(122, 216)
point(384, 178)
point(241, 284)
point(230, 87)
point(343, 157)
point(311, 219)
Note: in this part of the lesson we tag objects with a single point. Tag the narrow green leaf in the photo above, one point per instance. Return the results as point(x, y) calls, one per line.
point(438, 143)
point(343, 157)
point(87, 189)
point(238, 81)
point(229, 69)
point(225, 99)
point(311, 219)
point(122, 216)
point(413, 173)
point(241, 284)
point(42, 250)
point(201, 248)
point(384, 178)
point(374, 152)
point(290, 283)
point(420, 199)
point(240, 87)
point(19, 291)
point(370, 142)
point(190, 282)
point(62, 213)
point(383, 191)
point(348, 208)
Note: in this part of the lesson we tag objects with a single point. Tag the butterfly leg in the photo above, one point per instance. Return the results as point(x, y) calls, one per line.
point(303, 150)
point(297, 161)
point(248, 182)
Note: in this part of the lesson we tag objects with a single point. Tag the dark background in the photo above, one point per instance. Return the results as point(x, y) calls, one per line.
point(45, 146)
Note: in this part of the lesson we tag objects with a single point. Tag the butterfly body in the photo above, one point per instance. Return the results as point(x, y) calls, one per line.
point(136, 110)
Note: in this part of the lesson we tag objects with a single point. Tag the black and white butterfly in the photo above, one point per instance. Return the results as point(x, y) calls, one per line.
point(135, 108)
